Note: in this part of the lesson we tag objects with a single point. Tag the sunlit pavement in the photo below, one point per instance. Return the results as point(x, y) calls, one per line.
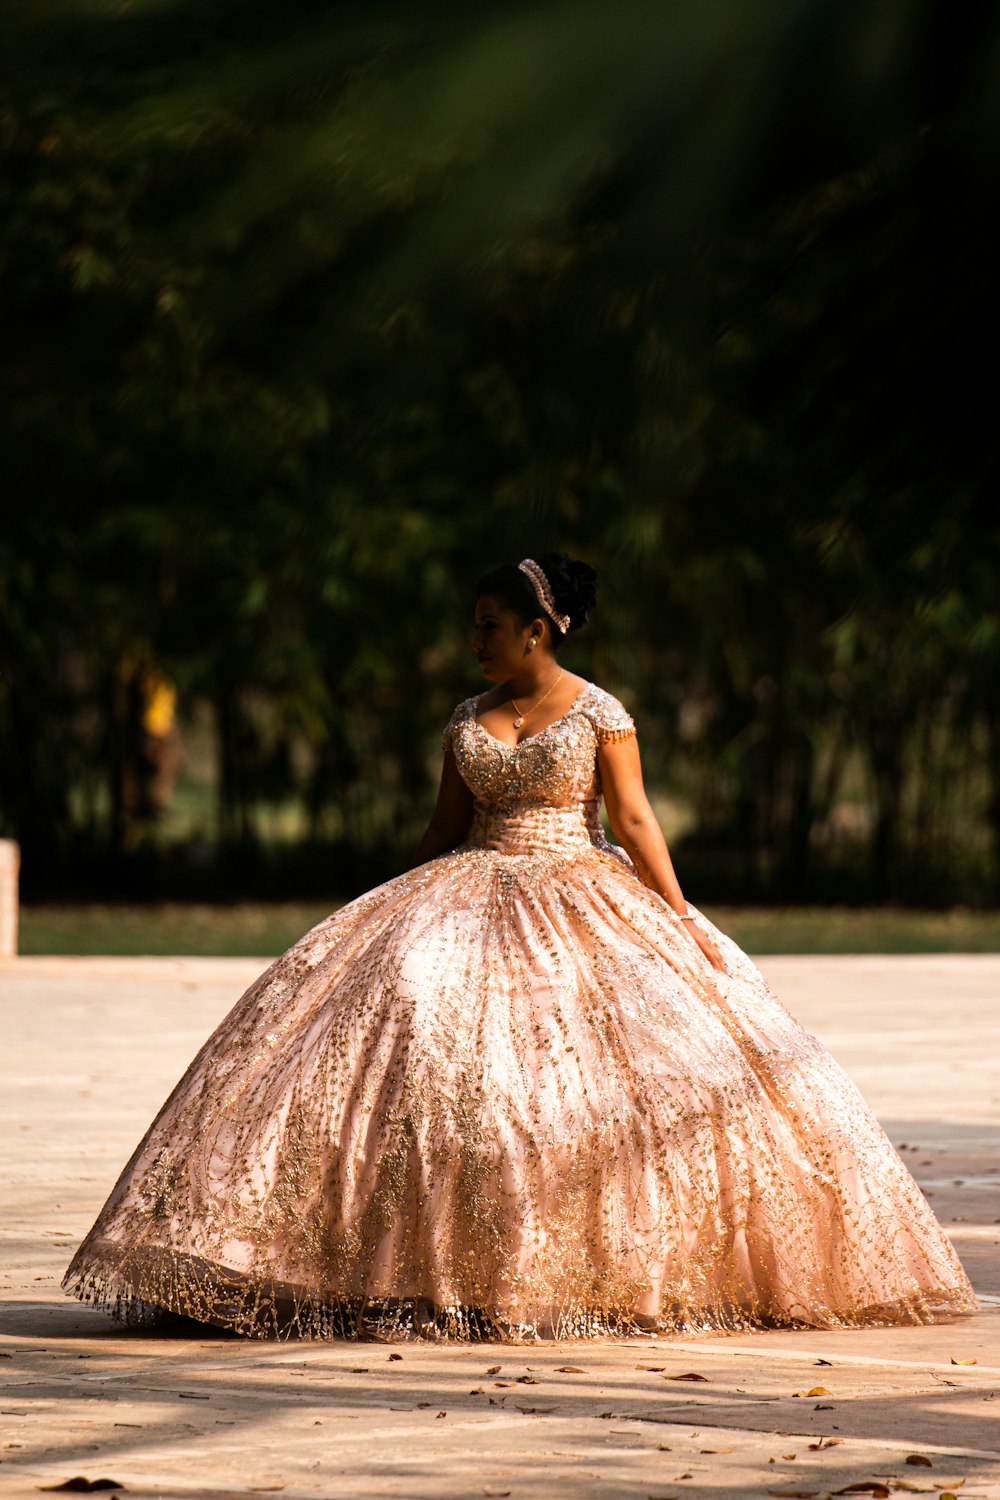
point(90, 1047)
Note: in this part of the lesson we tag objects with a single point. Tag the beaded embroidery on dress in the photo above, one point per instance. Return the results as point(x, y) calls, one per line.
point(504, 1095)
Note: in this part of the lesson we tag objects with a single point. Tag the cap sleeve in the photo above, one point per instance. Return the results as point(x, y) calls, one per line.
point(611, 720)
point(459, 714)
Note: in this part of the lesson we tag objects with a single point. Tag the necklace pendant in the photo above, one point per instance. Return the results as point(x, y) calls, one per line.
point(518, 723)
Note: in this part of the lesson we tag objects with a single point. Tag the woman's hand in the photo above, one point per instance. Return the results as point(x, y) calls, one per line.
point(706, 945)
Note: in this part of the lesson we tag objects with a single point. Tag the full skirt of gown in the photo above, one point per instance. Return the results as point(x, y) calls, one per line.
point(504, 1095)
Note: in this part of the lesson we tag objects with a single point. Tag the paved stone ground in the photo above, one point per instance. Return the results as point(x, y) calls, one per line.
point(90, 1047)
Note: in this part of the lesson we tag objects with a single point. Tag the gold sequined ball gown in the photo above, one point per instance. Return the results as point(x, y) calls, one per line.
point(504, 1094)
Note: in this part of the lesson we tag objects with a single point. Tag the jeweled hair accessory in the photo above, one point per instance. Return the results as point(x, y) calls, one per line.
point(543, 593)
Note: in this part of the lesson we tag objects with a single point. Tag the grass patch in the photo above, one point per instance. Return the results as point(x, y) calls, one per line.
point(255, 929)
point(242, 930)
point(871, 929)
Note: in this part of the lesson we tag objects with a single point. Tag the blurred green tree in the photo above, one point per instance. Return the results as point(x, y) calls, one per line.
point(312, 314)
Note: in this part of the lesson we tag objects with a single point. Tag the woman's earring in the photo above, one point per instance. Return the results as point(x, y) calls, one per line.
point(532, 644)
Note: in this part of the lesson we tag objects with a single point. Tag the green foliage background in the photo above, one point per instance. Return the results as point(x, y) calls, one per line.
point(312, 313)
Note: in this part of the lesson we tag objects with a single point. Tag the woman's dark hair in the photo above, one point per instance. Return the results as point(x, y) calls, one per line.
point(573, 585)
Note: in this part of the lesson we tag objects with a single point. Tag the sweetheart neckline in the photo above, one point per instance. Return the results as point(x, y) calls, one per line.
point(529, 737)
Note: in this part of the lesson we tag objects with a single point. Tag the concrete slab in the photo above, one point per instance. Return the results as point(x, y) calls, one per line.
point(92, 1046)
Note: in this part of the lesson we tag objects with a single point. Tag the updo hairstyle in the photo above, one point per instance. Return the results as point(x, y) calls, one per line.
point(573, 585)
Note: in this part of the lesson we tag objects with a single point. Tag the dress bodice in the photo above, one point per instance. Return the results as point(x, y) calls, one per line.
point(545, 793)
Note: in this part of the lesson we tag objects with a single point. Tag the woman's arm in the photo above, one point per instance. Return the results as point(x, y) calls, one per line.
point(451, 817)
point(634, 825)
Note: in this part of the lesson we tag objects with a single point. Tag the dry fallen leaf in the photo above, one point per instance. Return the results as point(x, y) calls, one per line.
point(822, 1406)
point(795, 1494)
point(819, 1390)
point(963, 1361)
point(494, 1369)
point(569, 1370)
point(359, 1369)
point(525, 1380)
point(499, 1384)
point(656, 1369)
point(496, 1494)
point(788, 1457)
point(919, 1460)
point(535, 1411)
point(479, 1391)
point(716, 1450)
point(691, 1375)
point(864, 1487)
point(824, 1362)
point(825, 1443)
point(395, 1356)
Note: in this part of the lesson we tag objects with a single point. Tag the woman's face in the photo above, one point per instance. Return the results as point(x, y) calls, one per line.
point(500, 641)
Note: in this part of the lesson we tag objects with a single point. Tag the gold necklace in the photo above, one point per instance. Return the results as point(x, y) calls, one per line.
point(522, 716)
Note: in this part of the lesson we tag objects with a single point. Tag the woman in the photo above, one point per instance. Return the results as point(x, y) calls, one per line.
point(522, 1089)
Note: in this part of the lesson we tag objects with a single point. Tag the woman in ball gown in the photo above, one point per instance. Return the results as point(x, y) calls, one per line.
point(523, 1089)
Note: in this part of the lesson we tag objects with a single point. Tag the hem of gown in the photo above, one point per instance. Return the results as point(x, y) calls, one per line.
point(176, 1288)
